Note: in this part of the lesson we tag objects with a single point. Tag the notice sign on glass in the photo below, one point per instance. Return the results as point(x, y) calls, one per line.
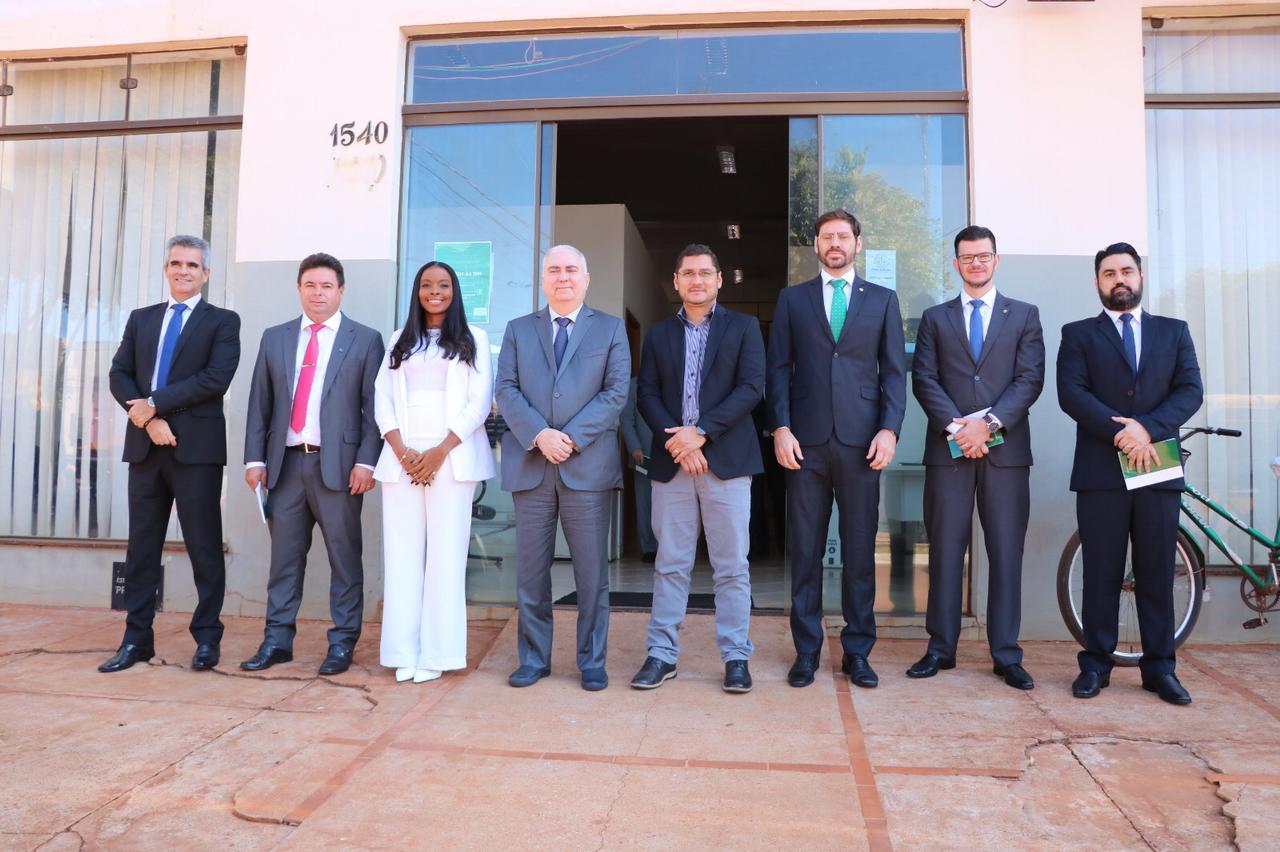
point(473, 262)
point(882, 267)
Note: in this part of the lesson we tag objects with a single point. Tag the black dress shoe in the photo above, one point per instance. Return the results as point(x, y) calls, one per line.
point(527, 676)
point(1014, 675)
point(594, 680)
point(802, 670)
point(268, 655)
point(859, 671)
point(653, 674)
point(928, 665)
point(206, 657)
point(1168, 688)
point(1089, 684)
point(127, 656)
point(649, 557)
point(337, 661)
point(737, 677)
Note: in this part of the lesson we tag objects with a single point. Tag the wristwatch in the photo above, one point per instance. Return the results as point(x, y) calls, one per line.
point(993, 422)
point(151, 401)
point(700, 431)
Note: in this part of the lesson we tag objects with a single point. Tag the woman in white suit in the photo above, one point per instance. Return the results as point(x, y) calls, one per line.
point(432, 395)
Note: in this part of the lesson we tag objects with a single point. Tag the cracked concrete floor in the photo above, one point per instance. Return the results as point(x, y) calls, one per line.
point(163, 757)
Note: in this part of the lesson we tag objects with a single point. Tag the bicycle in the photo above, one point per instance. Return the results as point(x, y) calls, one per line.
point(1259, 585)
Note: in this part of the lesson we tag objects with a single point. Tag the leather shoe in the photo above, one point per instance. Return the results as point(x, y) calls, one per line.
point(206, 657)
point(1089, 684)
point(737, 677)
point(653, 674)
point(802, 670)
point(1168, 688)
point(859, 671)
point(127, 656)
point(928, 665)
point(594, 680)
point(1014, 675)
point(527, 676)
point(337, 661)
point(268, 655)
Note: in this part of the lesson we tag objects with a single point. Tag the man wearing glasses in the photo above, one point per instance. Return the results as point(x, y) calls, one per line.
point(837, 393)
point(978, 367)
point(701, 374)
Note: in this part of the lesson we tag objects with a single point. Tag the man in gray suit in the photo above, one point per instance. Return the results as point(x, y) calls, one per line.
point(312, 443)
point(979, 365)
point(561, 384)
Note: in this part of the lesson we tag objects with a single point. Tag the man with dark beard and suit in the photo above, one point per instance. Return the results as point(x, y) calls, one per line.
point(837, 392)
point(978, 367)
point(172, 369)
point(1129, 379)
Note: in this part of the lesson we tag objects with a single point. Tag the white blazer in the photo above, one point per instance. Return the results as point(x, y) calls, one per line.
point(468, 400)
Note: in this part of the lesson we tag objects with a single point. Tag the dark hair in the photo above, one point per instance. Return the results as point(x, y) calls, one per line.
point(320, 260)
point(697, 250)
point(841, 214)
point(973, 233)
point(456, 340)
point(1115, 248)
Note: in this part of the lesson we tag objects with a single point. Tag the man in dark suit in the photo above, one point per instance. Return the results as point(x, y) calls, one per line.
point(701, 374)
point(312, 443)
point(978, 367)
point(837, 394)
point(562, 380)
point(1128, 378)
point(172, 369)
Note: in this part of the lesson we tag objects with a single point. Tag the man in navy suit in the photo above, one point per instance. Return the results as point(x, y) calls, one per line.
point(981, 354)
point(701, 374)
point(1128, 378)
point(837, 393)
point(172, 369)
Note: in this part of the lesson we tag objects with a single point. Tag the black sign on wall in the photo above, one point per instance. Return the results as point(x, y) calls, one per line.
point(118, 594)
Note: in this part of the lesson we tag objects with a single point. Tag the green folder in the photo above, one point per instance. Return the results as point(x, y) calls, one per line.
point(996, 439)
point(1168, 466)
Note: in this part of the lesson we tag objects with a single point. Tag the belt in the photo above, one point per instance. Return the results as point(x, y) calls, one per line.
point(304, 448)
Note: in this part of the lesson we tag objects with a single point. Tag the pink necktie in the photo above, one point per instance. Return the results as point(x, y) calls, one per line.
point(299, 418)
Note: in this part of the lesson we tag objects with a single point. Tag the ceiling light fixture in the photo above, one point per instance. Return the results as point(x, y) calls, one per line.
point(738, 276)
point(728, 165)
point(733, 232)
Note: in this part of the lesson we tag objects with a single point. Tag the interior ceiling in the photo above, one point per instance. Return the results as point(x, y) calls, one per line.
point(667, 173)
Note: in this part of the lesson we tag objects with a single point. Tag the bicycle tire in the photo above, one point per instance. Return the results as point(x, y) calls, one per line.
point(1188, 579)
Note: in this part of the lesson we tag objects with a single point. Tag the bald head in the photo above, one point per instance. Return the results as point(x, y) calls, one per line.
point(564, 278)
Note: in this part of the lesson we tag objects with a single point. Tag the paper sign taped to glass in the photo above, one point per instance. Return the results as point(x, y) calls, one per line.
point(1168, 466)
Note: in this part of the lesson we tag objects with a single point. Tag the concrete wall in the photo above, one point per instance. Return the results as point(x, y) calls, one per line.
point(1057, 159)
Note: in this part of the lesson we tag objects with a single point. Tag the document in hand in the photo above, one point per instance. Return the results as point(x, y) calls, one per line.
point(261, 494)
point(996, 439)
point(1168, 466)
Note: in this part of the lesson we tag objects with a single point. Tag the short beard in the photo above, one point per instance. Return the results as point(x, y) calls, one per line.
point(1122, 300)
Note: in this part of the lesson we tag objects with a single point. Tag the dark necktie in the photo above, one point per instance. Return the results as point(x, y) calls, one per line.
point(1130, 344)
point(170, 344)
point(561, 341)
point(975, 328)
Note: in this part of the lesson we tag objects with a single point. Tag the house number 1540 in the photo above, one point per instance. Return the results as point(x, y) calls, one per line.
point(346, 135)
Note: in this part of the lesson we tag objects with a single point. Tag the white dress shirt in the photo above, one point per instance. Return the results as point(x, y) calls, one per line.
point(1137, 328)
point(310, 433)
point(164, 326)
point(988, 305)
point(829, 290)
point(573, 321)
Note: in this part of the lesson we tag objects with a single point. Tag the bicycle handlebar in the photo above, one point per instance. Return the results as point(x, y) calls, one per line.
point(1210, 430)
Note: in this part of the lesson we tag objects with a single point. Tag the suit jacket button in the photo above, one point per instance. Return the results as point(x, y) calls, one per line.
point(977, 378)
point(835, 354)
point(1128, 393)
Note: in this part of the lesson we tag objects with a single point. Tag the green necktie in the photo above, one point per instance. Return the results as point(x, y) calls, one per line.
point(838, 306)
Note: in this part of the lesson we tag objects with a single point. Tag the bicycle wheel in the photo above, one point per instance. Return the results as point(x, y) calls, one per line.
point(1188, 594)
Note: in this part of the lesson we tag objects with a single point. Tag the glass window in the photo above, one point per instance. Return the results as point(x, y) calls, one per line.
point(82, 228)
point(1197, 59)
point(869, 59)
point(174, 86)
point(80, 90)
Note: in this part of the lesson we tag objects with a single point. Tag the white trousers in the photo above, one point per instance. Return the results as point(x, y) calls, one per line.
point(426, 531)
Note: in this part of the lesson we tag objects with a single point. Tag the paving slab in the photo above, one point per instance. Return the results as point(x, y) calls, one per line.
point(1252, 809)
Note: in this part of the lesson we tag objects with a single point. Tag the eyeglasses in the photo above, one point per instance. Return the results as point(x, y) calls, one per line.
point(984, 258)
point(700, 274)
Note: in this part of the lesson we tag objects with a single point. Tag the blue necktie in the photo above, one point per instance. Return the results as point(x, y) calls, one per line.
point(170, 343)
point(1130, 344)
point(975, 329)
point(561, 342)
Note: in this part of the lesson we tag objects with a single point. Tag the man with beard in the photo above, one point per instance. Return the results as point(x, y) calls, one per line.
point(978, 367)
point(837, 393)
point(1129, 379)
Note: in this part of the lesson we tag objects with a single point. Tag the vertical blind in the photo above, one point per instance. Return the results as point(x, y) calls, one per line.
point(83, 223)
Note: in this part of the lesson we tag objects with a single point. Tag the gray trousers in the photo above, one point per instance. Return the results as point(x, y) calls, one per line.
point(584, 515)
point(723, 508)
point(299, 501)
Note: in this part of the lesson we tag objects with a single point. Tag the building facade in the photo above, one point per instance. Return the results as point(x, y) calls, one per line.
point(391, 133)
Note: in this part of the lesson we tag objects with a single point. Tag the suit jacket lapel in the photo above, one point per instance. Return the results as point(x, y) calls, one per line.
point(542, 324)
point(1107, 329)
point(816, 300)
point(341, 345)
point(714, 336)
point(287, 341)
point(576, 333)
point(999, 316)
point(200, 312)
point(1150, 330)
point(149, 343)
point(857, 295)
point(955, 313)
